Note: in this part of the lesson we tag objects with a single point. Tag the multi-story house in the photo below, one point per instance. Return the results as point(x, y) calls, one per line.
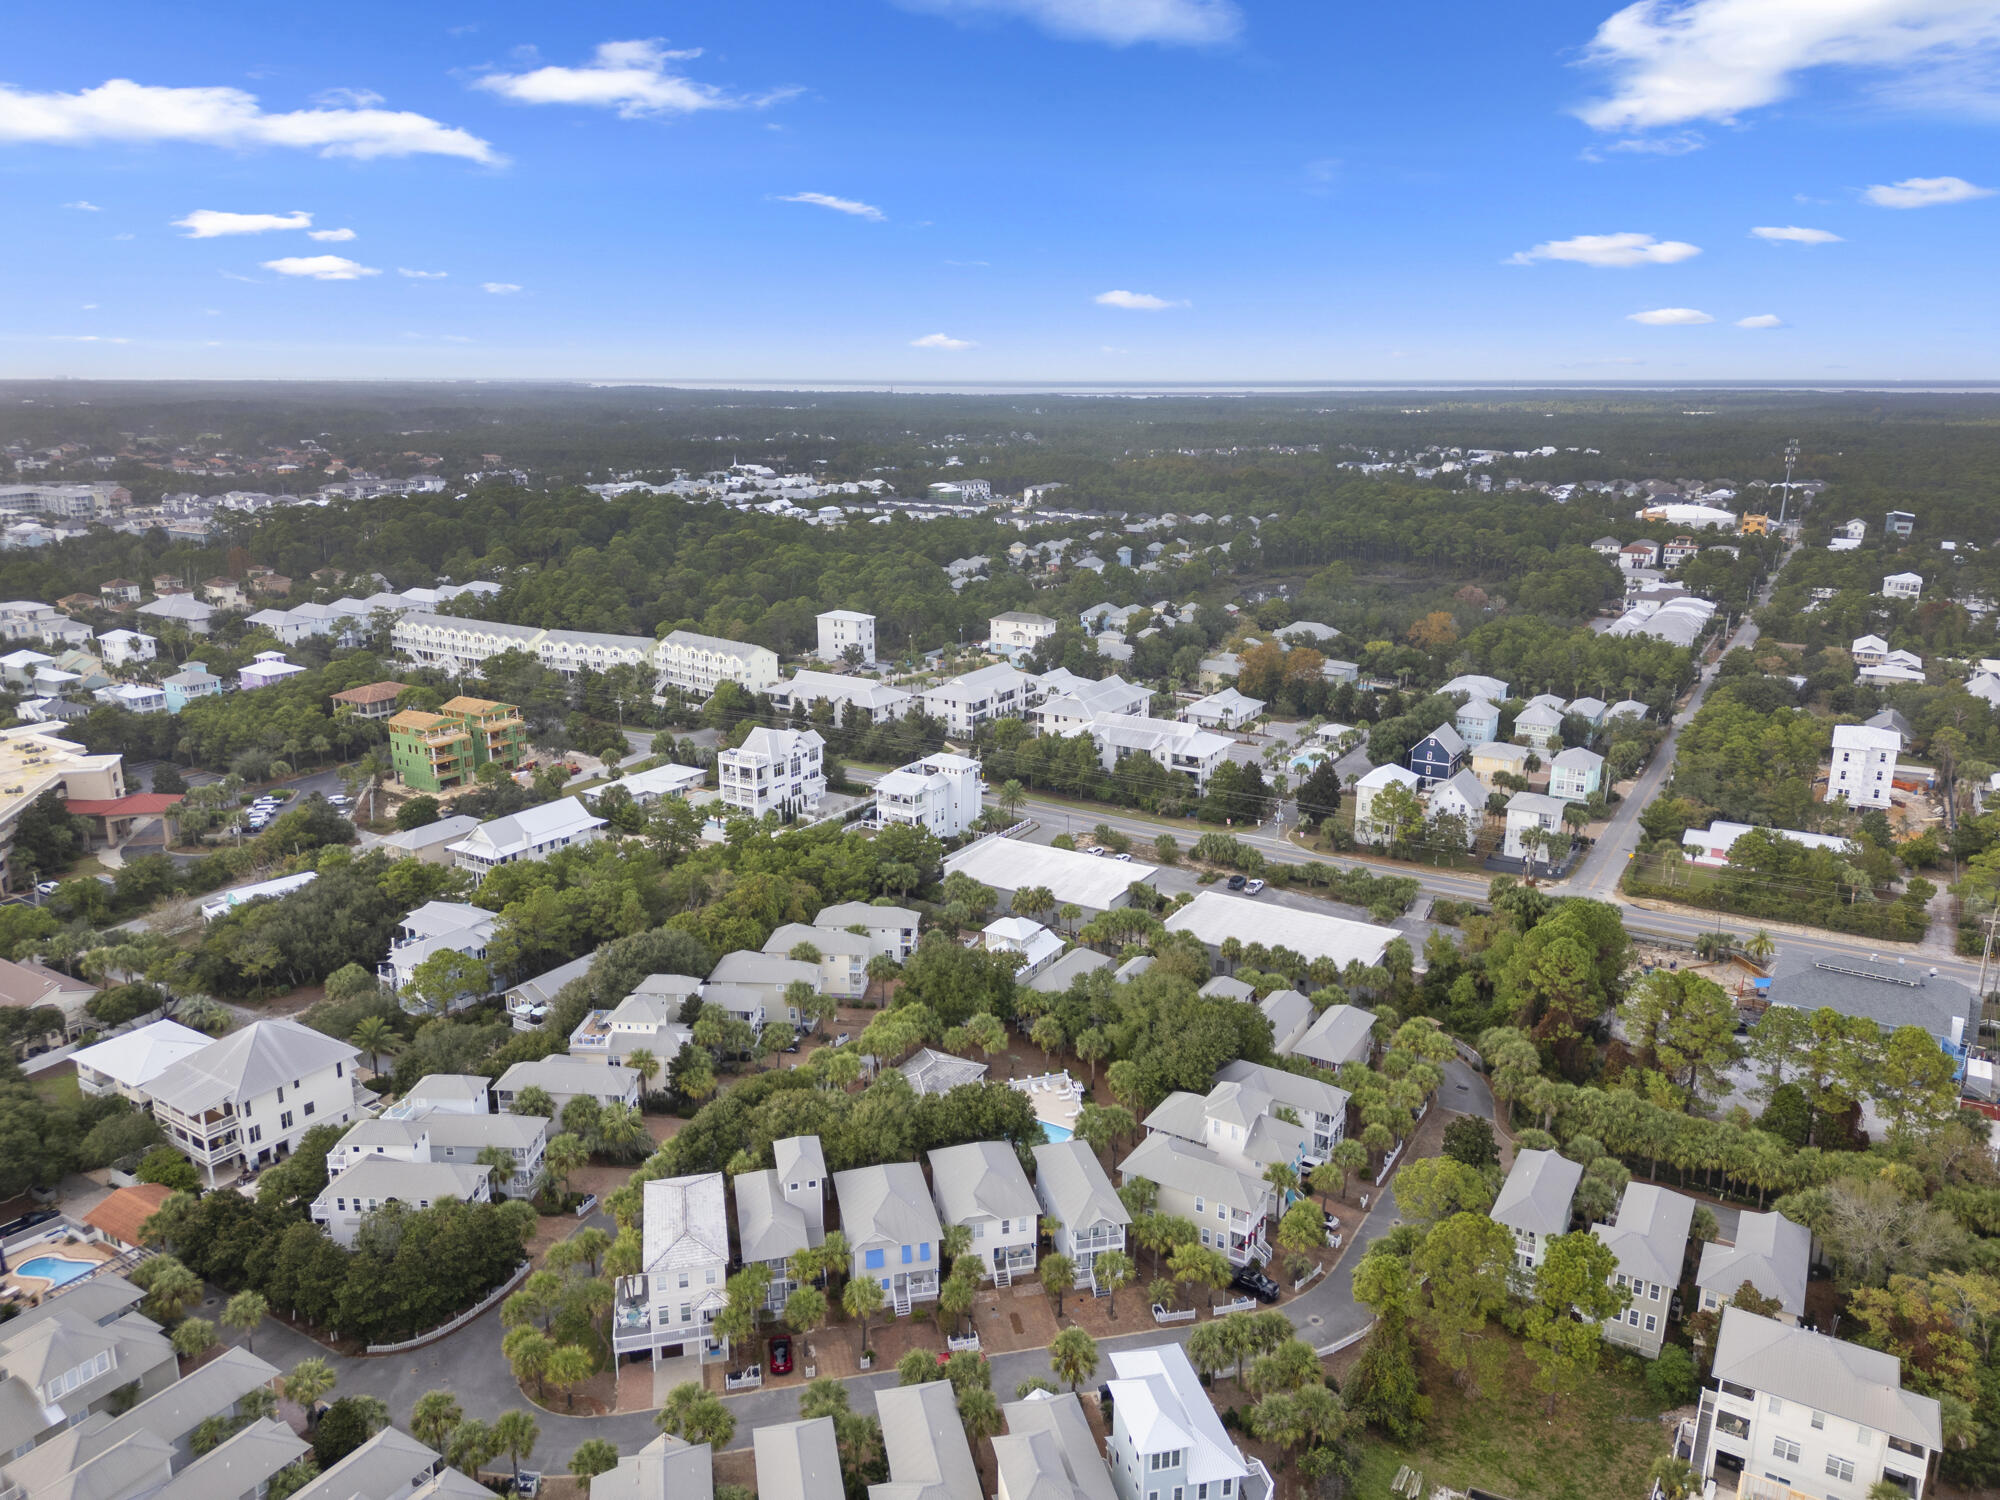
point(981, 1185)
point(766, 979)
point(1071, 704)
point(183, 609)
point(72, 1357)
point(1369, 828)
point(795, 1461)
point(1863, 769)
point(348, 1199)
point(1788, 1412)
point(1439, 755)
point(924, 1442)
point(1228, 1205)
point(244, 1101)
point(191, 682)
point(1576, 774)
point(699, 664)
point(1770, 1252)
point(564, 1078)
point(1048, 1452)
point(531, 834)
point(1477, 722)
point(781, 1211)
point(1321, 1107)
point(892, 1230)
point(133, 697)
point(418, 1129)
point(683, 1269)
point(892, 930)
point(1650, 1239)
point(1235, 1124)
point(1462, 797)
point(843, 956)
point(842, 630)
point(1185, 749)
point(123, 647)
point(638, 1023)
point(1328, 1038)
point(1166, 1439)
point(372, 700)
point(941, 793)
point(431, 927)
point(435, 752)
point(1903, 586)
point(1535, 1203)
point(28, 985)
point(1226, 710)
point(1531, 816)
point(965, 703)
point(869, 701)
point(1016, 633)
point(1073, 1189)
point(774, 771)
point(1037, 946)
point(1540, 724)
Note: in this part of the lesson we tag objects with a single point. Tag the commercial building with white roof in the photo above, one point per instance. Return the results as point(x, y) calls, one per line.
point(1093, 883)
point(1215, 917)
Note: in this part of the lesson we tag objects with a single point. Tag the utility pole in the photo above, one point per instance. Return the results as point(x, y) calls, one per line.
point(1791, 458)
point(1986, 954)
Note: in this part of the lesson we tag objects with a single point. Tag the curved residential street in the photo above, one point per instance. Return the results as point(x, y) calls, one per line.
point(468, 1362)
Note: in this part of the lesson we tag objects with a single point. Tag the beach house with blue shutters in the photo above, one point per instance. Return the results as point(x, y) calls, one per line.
point(1439, 755)
point(892, 1228)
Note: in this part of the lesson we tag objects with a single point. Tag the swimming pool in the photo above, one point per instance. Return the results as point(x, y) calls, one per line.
point(55, 1269)
point(1055, 1132)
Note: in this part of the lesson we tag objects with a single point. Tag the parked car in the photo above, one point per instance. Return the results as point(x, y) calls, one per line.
point(1253, 887)
point(1237, 882)
point(48, 887)
point(1256, 1283)
point(1093, 849)
point(1126, 857)
point(781, 1356)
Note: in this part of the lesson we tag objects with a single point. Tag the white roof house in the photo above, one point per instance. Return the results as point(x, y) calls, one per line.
point(1711, 845)
point(1164, 1424)
point(532, 833)
point(1214, 917)
point(1049, 1453)
point(127, 1063)
point(925, 1444)
point(1228, 709)
point(1037, 946)
point(1095, 884)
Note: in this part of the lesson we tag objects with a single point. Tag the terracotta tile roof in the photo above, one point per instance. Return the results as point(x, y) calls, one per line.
point(124, 1211)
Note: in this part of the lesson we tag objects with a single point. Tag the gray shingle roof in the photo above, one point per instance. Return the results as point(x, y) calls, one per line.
point(1889, 994)
point(250, 1062)
point(886, 1203)
point(929, 1457)
point(798, 1461)
point(1650, 1234)
point(981, 1179)
point(1770, 1253)
point(1076, 1186)
point(1826, 1374)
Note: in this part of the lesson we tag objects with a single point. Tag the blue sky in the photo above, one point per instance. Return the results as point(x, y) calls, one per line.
point(969, 190)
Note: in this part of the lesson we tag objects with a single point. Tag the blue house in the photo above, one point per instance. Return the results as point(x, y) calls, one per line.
point(1478, 722)
point(1439, 755)
point(892, 1229)
point(191, 682)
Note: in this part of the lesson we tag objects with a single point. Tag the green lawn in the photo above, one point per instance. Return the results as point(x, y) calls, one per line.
point(59, 1088)
point(1602, 1444)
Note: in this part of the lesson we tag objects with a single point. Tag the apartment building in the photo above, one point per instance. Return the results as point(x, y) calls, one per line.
point(699, 664)
point(1185, 749)
point(1072, 705)
point(842, 630)
point(774, 770)
point(1786, 1411)
point(966, 702)
point(870, 701)
point(433, 752)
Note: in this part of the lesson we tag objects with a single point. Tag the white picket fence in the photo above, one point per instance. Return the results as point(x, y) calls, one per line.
point(1318, 1270)
point(1241, 1304)
point(967, 1345)
point(1161, 1315)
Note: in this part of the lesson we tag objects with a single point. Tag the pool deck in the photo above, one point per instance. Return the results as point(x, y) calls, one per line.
point(1057, 1099)
point(28, 1289)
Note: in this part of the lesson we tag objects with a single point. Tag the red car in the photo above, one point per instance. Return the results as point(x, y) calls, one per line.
point(781, 1356)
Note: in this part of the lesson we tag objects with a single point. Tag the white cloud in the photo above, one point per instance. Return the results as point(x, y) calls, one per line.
point(84, 205)
point(320, 267)
point(90, 307)
point(210, 223)
point(630, 77)
point(499, 288)
point(1670, 317)
point(1761, 320)
point(85, 338)
point(351, 98)
point(1627, 249)
point(1134, 301)
point(1924, 192)
point(1679, 60)
point(1119, 22)
point(852, 206)
point(1792, 234)
point(940, 341)
point(121, 110)
point(421, 275)
point(330, 234)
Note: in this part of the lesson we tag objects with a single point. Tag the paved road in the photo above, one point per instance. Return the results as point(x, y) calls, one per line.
point(468, 1362)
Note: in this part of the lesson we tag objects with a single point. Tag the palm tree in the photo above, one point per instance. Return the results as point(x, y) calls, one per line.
point(569, 1366)
point(565, 1155)
point(515, 1435)
point(593, 1456)
point(881, 969)
point(622, 1133)
point(1058, 1275)
point(693, 1414)
point(1761, 947)
point(862, 1298)
point(244, 1312)
point(374, 1036)
point(170, 1286)
point(193, 1338)
point(434, 1417)
point(309, 1380)
point(1073, 1356)
point(979, 1413)
point(1111, 1270)
point(641, 1061)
